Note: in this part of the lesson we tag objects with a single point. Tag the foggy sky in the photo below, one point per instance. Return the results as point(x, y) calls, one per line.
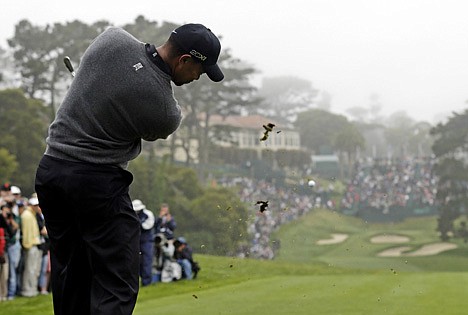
point(412, 53)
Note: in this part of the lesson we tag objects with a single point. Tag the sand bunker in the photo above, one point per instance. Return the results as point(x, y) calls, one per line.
point(432, 249)
point(335, 239)
point(389, 239)
point(426, 250)
point(394, 252)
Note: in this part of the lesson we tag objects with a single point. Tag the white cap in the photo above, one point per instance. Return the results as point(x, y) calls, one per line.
point(33, 201)
point(138, 205)
point(15, 190)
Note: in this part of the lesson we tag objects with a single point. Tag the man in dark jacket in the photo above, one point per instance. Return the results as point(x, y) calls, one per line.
point(184, 256)
point(121, 94)
point(146, 240)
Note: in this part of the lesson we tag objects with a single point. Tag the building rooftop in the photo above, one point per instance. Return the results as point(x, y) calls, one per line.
point(254, 122)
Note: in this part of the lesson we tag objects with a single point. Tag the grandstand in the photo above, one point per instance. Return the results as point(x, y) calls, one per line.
point(390, 190)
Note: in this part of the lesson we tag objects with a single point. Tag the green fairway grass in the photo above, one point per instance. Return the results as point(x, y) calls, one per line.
point(298, 244)
point(433, 293)
point(345, 278)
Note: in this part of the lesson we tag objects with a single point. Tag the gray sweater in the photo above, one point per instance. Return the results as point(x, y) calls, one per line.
point(118, 97)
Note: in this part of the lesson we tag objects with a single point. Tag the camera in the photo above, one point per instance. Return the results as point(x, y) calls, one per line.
point(160, 240)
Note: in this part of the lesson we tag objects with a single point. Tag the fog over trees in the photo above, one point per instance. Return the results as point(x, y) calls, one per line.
point(34, 80)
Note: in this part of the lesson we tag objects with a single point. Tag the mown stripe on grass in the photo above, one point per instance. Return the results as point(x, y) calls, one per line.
point(393, 293)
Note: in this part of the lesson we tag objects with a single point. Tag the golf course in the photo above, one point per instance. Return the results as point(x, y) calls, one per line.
point(328, 263)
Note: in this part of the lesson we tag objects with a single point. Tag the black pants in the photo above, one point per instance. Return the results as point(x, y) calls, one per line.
point(94, 235)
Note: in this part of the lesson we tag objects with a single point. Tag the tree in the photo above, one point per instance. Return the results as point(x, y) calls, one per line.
point(286, 96)
point(318, 129)
point(219, 222)
point(215, 217)
point(358, 113)
point(8, 75)
point(150, 31)
point(349, 141)
point(406, 136)
point(399, 127)
point(31, 46)
point(24, 126)
point(451, 150)
point(420, 140)
point(369, 114)
point(39, 51)
point(8, 165)
point(325, 101)
point(374, 138)
point(324, 133)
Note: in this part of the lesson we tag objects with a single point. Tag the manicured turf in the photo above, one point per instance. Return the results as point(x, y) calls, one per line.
point(345, 278)
point(432, 293)
point(298, 244)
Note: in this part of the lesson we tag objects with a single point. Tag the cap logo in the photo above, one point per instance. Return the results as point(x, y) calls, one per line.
point(198, 55)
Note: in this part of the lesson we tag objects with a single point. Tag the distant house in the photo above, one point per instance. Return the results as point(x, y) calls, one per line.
point(244, 133)
point(247, 131)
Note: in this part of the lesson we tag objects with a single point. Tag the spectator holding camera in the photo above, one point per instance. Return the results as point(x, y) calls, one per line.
point(17, 198)
point(165, 223)
point(146, 240)
point(183, 255)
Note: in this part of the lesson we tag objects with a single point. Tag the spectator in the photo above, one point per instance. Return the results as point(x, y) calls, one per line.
point(44, 274)
point(31, 253)
point(5, 194)
point(285, 205)
point(165, 223)
point(386, 184)
point(16, 193)
point(13, 247)
point(3, 266)
point(183, 255)
point(146, 240)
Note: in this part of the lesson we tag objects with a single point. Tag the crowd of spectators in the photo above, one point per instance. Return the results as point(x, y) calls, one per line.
point(164, 258)
point(376, 183)
point(24, 246)
point(385, 183)
point(25, 257)
point(284, 205)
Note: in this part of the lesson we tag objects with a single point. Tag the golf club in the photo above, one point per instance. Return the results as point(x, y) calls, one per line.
point(69, 65)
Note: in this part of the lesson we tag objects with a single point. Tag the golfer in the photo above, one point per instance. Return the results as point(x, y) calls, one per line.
point(120, 95)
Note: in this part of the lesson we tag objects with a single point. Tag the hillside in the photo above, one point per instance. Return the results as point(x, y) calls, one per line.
point(299, 244)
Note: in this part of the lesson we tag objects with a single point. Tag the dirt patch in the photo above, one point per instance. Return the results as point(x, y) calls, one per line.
point(335, 239)
point(389, 239)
